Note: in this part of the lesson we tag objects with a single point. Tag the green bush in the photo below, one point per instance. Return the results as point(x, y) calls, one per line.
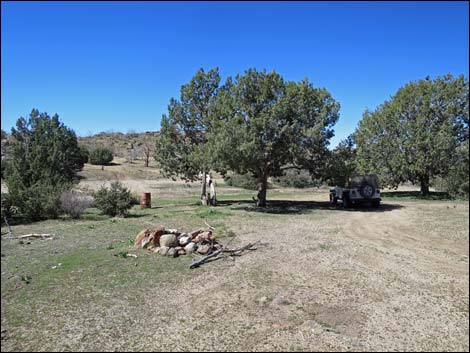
point(296, 179)
point(6, 207)
point(37, 202)
point(115, 201)
point(100, 156)
point(84, 154)
point(244, 181)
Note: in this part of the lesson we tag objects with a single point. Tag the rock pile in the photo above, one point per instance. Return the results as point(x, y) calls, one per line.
point(171, 242)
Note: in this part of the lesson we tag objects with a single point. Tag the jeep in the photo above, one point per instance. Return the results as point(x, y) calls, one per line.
point(361, 189)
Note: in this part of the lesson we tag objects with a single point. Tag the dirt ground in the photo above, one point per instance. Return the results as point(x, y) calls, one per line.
point(325, 279)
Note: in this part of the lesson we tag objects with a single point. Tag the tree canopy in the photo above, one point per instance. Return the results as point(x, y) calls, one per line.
point(181, 147)
point(45, 159)
point(265, 125)
point(414, 135)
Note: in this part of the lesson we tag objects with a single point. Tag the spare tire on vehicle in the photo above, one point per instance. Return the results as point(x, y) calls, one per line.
point(367, 190)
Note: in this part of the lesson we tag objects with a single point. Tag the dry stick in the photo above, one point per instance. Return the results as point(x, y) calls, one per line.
point(207, 224)
point(35, 235)
point(217, 252)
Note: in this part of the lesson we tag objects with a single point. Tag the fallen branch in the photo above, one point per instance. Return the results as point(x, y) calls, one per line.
point(232, 252)
point(207, 224)
point(36, 235)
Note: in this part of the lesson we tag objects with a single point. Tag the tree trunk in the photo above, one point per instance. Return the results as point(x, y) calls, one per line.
point(102, 167)
point(203, 191)
point(262, 188)
point(424, 180)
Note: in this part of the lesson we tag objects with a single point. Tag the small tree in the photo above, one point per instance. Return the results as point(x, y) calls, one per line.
point(45, 159)
point(117, 200)
point(101, 156)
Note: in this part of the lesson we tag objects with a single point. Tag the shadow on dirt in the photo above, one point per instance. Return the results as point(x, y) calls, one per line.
point(433, 195)
point(301, 207)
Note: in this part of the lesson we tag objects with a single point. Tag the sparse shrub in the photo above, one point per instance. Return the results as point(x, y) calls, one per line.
point(115, 201)
point(135, 198)
point(74, 203)
point(244, 181)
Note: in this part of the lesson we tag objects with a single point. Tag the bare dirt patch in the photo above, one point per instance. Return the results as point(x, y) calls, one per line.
point(329, 279)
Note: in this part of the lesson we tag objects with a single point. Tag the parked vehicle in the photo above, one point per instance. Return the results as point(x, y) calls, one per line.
point(361, 189)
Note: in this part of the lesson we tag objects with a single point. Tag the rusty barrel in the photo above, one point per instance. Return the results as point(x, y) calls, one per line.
point(145, 200)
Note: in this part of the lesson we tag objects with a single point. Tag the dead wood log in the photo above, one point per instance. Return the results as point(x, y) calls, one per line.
point(232, 252)
point(36, 235)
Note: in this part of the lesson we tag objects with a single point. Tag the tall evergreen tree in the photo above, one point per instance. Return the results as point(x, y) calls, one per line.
point(265, 125)
point(414, 135)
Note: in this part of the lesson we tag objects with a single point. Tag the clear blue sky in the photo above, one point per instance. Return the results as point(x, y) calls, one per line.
point(114, 65)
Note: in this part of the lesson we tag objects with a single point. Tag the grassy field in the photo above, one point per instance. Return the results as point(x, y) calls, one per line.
point(326, 279)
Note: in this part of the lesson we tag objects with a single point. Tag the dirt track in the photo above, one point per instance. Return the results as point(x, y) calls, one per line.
point(360, 280)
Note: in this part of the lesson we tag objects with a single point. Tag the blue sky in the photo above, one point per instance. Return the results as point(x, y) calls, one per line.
point(113, 66)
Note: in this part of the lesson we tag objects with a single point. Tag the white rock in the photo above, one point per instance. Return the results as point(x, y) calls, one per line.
point(185, 241)
point(191, 247)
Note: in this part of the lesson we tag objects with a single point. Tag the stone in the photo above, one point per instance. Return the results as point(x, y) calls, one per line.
point(194, 233)
point(172, 231)
point(168, 240)
point(172, 252)
point(163, 250)
point(178, 248)
point(203, 249)
point(148, 237)
point(263, 300)
point(181, 252)
point(156, 250)
point(191, 247)
point(141, 236)
point(184, 240)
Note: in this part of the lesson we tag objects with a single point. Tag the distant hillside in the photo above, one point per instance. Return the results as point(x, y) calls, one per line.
point(128, 145)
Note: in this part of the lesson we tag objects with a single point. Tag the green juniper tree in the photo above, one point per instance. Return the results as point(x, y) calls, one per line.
point(264, 125)
point(414, 135)
point(100, 156)
point(45, 159)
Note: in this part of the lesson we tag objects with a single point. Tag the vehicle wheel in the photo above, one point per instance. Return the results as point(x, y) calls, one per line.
point(333, 199)
point(366, 190)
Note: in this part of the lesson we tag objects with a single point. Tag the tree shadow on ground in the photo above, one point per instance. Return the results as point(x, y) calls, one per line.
point(301, 207)
point(433, 195)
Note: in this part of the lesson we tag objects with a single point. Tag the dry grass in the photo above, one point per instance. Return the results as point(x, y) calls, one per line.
point(389, 279)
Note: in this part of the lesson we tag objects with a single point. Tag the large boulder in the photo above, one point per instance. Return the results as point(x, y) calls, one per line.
point(168, 240)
